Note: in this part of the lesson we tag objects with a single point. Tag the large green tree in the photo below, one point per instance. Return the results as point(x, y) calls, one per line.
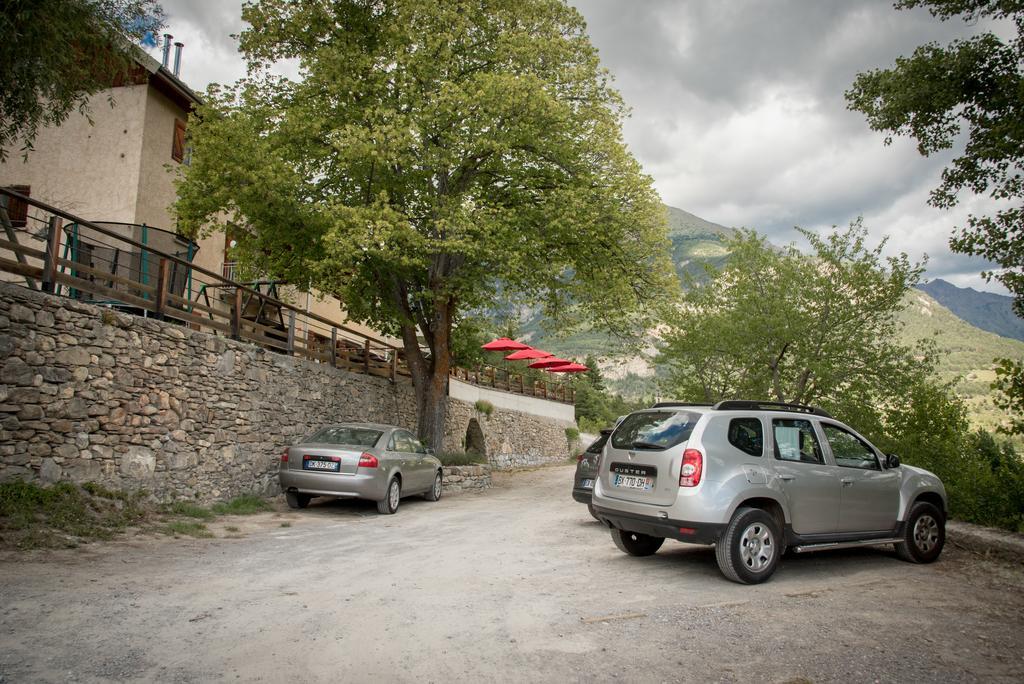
point(778, 324)
point(432, 155)
point(55, 54)
point(972, 91)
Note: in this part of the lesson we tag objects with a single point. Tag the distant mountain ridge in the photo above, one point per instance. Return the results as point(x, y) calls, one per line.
point(985, 310)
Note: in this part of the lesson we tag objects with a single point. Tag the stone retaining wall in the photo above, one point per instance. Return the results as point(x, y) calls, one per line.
point(458, 479)
point(89, 394)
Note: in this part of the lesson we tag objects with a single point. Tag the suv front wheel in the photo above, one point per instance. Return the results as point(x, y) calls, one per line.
point(749, 549)
point(925, 534)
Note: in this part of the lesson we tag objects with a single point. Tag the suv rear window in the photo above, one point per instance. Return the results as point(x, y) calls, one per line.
point(654, 429)
point(747, 435)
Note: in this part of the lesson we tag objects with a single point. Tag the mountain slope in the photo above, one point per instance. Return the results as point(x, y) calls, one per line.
point(985, 310)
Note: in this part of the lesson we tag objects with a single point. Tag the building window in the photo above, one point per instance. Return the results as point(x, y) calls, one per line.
point(17, 210)
point(178, 146)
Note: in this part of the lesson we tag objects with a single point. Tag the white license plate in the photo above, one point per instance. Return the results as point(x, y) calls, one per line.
point(587, 484)
point(322, 465)
point(634, 482)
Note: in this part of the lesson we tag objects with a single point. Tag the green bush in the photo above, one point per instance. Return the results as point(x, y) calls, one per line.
point(189, 510)
point(485, 407)
point(572, 435)
point(457, 458)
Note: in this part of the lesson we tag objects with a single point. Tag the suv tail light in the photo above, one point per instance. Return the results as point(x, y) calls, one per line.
point(367, 460)
point(579, 457)
point(693, 466)
point(284, 455)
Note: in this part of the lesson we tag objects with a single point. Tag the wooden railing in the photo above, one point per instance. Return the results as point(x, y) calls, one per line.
point(516, 382)
point(44, 251)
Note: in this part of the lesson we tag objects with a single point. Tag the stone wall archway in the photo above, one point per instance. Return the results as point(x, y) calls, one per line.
point(475, 441)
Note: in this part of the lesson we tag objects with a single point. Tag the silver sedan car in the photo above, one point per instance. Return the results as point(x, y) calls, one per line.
point(381, 463)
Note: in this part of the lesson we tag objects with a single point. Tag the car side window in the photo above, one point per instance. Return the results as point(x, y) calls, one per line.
point(393, 442)
point(795, 441)
point(405, 442)
point(747, 435)
point(848, 450)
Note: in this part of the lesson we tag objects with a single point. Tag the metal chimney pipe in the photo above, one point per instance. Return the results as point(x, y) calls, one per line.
point(177, 57)
point(167, 49)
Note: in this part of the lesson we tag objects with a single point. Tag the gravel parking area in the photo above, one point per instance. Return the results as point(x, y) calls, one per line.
point(514, 584)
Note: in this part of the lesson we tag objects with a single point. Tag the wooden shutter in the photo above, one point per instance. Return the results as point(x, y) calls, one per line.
point(17, 210)
point(178, 146)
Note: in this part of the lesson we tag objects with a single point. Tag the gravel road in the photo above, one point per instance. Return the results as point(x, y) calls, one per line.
point(514, 584)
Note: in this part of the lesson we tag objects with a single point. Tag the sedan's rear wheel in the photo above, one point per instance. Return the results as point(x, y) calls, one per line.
point(297, 500)
point(389, 504)
point(636, 543)
point(435, 491)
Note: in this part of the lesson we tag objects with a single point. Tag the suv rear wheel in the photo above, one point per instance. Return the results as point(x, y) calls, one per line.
point(749, 549)
point(296, 500)
point(635, 543)
point(925, 534)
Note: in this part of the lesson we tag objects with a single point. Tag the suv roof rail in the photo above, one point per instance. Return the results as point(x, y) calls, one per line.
point(746, 405)
point(670, 404)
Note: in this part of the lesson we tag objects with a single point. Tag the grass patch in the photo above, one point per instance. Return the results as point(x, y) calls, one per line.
point(231, 528)
point(457, 458)
point(247, 504)
point(186, 528)
point(286, 524)
point(189, 510)
point(64, 514)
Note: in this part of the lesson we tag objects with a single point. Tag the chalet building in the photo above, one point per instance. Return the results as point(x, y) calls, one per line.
point(118, 171)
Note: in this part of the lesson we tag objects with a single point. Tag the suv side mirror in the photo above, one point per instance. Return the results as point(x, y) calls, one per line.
point(892, 461)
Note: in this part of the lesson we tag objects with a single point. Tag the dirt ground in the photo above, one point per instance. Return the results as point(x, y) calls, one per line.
point(514, 584)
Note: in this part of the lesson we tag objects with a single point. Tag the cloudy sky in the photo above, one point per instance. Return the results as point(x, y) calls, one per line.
point(738, 111)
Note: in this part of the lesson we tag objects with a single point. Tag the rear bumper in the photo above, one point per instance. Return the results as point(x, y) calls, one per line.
point(682, 530)
point(582, 495)
point(372, 486)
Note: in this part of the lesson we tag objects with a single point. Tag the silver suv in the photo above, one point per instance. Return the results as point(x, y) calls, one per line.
point(755, 478)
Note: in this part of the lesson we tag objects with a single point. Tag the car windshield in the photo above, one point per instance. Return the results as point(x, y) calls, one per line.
point(354, 436)
point(654, 429)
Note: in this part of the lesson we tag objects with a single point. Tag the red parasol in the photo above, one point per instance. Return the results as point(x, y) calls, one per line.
point(524, 354)
point(504, 344)
point(569, 368)
point(549, 361)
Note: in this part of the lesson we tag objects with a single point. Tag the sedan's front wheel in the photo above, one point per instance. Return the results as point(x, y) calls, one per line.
point(389, 504)
point(435, 490)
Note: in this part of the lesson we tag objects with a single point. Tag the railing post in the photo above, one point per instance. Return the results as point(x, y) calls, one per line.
point(236, 315)
point(162, 278)
point(366, 357)
point(291, 331)
point(52, 249)
point(334, 347)
point(394, 365)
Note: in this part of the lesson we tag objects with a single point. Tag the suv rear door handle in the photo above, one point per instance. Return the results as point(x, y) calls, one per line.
point(847, 481)
point(787, 478)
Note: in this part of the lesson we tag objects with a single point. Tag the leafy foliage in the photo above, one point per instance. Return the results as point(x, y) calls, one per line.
point(55, 54)
point(1008, 390)
point(970, 87)
point(596, 407)
point(774, 323)
point(434, 158)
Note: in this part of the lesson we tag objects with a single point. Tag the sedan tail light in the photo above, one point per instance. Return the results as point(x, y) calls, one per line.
point(284, 456)
point(367, 460)
point(692, 468)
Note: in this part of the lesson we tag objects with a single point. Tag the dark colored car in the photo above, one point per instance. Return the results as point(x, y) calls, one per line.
point(586, 470)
